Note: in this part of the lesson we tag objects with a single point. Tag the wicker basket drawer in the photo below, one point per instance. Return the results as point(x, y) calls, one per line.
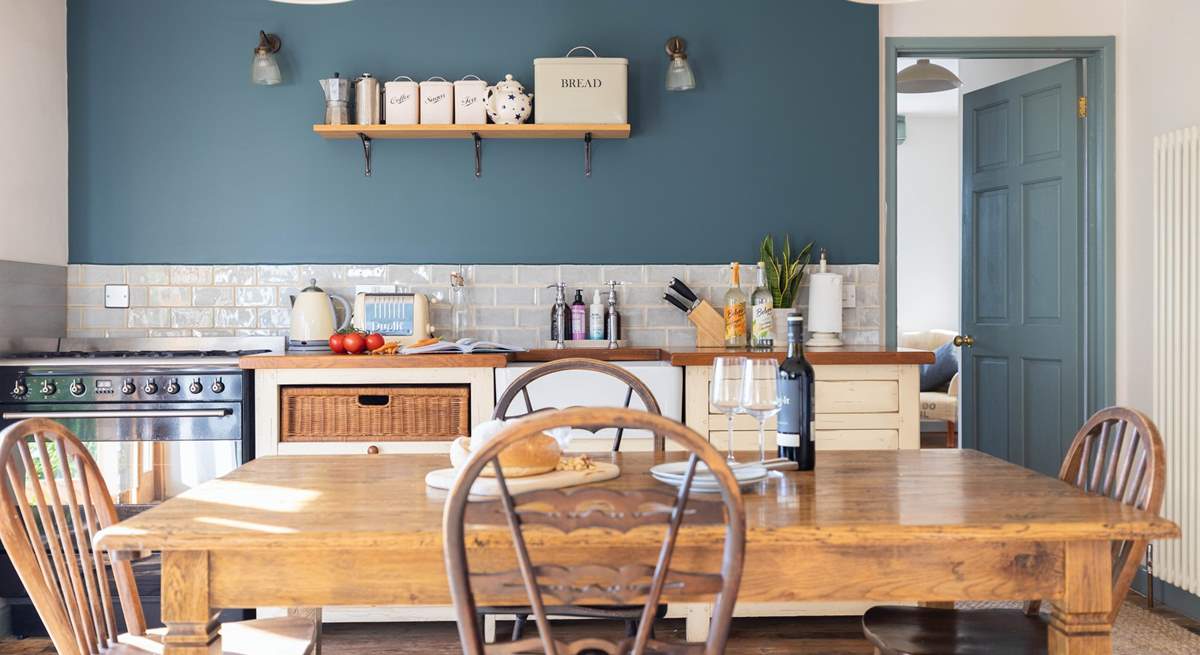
point(377, 413)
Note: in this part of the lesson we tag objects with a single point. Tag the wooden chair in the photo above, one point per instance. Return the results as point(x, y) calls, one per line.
point(55, 501)
point(613, 508)
point(1118, 453)
point(520, 386)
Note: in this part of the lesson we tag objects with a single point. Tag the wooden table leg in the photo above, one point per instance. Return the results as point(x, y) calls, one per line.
point(1079, 622)
point(192, 627)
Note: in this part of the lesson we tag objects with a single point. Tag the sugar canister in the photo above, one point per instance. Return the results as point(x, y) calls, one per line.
point(366, 100)
point(437, 101)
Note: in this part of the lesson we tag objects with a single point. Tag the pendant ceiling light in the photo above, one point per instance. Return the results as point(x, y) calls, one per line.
point(926, 77)
point(311, 2)
point(881, 2)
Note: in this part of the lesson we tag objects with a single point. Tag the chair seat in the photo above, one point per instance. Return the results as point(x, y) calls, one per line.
point(926, 631)
point(289, 635)
point(939, 406)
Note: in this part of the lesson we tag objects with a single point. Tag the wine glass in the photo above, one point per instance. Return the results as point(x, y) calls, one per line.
point(727, 392)
point(760, 395)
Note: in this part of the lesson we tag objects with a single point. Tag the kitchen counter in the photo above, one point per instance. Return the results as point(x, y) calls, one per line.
point(481, 360)
point(846, 355)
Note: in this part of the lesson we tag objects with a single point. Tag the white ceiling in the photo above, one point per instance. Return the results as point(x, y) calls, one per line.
point(975, 74)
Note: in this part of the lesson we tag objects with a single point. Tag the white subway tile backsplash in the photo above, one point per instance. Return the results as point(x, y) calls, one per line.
point(169, 296)
point(240, 317)
point(212, 296)
point(191, 317)
point(192, 275)
point(233, 275)
point(507, 302)
point(255, 296)
point(278, 274)
point(145, 275)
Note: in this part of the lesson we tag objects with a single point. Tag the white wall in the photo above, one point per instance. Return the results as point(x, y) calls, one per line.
point(959, 18)
point(33, 159)
point(928, 224)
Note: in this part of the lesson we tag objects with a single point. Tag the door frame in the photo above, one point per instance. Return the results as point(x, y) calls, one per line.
point(1098, 276)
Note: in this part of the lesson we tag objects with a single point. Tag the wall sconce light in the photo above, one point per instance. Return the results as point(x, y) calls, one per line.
point(263, 68)
point(679, 73)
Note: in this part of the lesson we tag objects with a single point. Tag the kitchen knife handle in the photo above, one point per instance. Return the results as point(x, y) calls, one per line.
point(682, 289)
point(677, 302)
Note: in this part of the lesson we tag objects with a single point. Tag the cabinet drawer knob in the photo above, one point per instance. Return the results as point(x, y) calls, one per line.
point(372, 450)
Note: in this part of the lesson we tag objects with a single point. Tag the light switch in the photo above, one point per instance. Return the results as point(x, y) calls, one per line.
point(116, 296)
point(848, 295)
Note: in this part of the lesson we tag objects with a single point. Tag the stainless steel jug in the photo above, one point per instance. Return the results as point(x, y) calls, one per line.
point(367, 100)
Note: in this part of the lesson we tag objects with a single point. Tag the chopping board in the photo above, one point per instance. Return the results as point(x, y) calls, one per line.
point(489, 488)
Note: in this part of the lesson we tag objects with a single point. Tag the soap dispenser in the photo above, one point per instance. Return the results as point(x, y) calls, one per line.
point(560, 316)
point(612, 318)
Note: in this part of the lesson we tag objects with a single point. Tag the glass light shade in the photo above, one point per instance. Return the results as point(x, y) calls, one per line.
point(926, 77)
point(679, 75)
point(264, 69)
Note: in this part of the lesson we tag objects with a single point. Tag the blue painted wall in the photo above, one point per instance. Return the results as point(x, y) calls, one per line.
point(176, 158)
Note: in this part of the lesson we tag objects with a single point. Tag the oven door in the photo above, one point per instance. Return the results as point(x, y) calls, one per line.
point(148, 452)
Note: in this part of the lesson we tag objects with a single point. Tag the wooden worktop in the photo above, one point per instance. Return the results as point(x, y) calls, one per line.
point(684, 357)
point(816, 356)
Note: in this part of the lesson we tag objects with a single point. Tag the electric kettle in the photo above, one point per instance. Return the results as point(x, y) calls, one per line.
point(314, 320)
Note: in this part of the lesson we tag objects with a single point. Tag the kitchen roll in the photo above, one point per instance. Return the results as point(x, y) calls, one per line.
point(825, 302)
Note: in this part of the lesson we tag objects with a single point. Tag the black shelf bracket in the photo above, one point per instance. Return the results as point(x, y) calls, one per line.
point(366, 143)
point(587, 154)
point(478, 154)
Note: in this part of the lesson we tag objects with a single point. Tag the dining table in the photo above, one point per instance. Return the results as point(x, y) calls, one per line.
point(929, 526)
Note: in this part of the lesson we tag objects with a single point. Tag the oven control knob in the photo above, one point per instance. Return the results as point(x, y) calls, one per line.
point(173, 386)
point(127, 387)
point(218, 386)
point(151, 387)
point(77, 387)
point(195, 386)
point(19, 389)
point(49, 388)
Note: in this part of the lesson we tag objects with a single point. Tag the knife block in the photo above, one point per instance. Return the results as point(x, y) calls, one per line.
point(710, 325)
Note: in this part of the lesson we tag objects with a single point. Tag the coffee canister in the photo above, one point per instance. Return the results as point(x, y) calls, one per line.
point(401, 101)
point(469, 95)
point(366, 100)
point(437, 101)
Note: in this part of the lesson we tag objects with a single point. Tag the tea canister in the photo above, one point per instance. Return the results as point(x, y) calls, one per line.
point(437, 101)
point(469, 95)
point(400, 101)
point(581, 89)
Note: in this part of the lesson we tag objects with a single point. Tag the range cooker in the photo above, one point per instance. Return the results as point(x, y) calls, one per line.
point(159, 415)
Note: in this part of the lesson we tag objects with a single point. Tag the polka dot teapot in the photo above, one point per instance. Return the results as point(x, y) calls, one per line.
point(507, 103)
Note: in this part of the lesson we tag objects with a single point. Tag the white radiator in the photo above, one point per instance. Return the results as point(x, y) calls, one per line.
point(1177, 347)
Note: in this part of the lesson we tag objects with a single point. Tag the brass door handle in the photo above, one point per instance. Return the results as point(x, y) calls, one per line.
point(372, 450)
point(964, 340)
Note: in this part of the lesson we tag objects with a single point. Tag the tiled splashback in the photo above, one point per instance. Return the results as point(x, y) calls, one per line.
point(508, 303)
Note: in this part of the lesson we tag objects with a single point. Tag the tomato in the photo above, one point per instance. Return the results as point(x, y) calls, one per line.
point(374, 341)
point(335, 343)
point(354, 342)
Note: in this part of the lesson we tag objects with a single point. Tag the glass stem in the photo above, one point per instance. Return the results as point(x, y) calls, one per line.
point(729, 423)
point(762, 440)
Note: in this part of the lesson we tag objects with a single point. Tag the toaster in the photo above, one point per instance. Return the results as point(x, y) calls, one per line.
point(399, 317)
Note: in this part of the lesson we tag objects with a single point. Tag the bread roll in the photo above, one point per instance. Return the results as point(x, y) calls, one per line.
point(531, 456)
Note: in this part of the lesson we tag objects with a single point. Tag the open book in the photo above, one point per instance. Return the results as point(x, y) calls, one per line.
point(461, 346)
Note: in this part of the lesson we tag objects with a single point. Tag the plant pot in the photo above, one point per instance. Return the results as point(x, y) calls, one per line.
point(779, 326)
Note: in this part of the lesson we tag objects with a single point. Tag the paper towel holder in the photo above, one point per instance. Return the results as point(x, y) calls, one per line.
point(824, 307)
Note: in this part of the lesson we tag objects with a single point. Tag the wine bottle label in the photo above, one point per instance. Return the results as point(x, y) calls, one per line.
point(787, 439)
point(795, 417)
point(762, 323)
point(735, 320)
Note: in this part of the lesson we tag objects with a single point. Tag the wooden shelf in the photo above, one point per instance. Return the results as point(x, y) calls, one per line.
point(488, 131)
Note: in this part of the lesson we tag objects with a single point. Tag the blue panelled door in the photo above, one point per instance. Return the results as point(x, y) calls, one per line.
point(1022, 385)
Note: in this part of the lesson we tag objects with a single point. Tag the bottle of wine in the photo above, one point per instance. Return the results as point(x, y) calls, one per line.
point(762, 304)
point(735, 310)
point(795, 437)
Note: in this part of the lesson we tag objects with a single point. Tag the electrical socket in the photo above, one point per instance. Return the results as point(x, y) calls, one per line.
point(116, 296)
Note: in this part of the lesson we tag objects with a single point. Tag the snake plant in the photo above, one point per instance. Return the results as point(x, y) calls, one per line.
point(784, 272)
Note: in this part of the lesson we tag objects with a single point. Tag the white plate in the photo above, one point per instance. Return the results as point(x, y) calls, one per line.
point(677, 470)
point(706, 483)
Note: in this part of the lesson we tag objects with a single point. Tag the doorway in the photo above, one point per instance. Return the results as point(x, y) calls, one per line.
point(944, 272)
